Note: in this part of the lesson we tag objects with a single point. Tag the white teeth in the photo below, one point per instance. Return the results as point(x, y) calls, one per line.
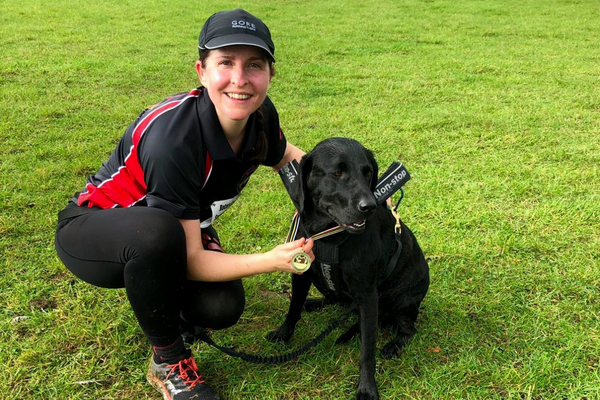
point(238, 96)
point(357, 224)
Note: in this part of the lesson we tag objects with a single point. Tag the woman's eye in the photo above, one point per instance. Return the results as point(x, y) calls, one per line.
point(255, 66)
point(225, 62)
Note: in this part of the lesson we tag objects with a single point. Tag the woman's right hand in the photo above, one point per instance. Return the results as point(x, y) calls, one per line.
point(284, 252)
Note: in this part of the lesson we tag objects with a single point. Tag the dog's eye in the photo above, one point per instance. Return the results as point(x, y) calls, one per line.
point(337, 174)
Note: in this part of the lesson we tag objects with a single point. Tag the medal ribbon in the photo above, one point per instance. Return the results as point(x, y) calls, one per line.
point(328, 232)
point(296, 225)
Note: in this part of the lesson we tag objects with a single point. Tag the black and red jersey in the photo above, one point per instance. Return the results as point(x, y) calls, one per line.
point(176, 157)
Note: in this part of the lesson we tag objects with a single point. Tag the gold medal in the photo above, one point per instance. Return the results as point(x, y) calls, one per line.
point(300, 261)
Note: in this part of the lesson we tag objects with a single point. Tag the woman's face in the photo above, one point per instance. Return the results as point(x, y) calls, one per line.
point(237, 79)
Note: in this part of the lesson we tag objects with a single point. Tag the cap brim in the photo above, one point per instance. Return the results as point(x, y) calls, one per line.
point(238, 40)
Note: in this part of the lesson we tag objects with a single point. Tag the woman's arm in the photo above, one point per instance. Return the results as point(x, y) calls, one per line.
point(291, 153)
point(214, 266)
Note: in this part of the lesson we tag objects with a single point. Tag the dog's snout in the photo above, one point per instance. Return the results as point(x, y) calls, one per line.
point(366, 206)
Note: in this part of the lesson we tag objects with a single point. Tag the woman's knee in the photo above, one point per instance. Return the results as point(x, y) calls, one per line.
point(160, 234)
point(214, 305)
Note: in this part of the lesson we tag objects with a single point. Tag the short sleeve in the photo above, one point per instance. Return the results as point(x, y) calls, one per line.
point(171, 160)
point(275, 136)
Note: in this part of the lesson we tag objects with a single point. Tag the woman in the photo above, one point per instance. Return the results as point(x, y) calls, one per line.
point(143, 222)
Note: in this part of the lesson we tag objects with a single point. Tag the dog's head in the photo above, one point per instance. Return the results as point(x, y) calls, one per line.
point(336, 184)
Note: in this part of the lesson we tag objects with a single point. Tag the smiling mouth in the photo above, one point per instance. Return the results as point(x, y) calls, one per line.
point(238, 96)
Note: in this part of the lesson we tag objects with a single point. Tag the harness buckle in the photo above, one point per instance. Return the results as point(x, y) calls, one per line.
point(397, 227)
point(394, 210)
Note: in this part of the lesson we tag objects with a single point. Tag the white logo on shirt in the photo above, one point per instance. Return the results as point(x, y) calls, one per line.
point(218, 208)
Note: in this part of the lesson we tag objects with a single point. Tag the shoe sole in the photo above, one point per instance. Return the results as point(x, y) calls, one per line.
point(158, 385)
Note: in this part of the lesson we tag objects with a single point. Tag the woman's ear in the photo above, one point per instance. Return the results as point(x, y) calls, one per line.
point(200, 71)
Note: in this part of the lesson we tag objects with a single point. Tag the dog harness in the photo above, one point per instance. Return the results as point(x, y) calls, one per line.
point(327, 266)
point(326, 269)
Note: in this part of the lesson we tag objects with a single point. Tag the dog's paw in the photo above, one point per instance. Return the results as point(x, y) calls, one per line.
point(367, 395)
point(390, 350)
point(282, 334)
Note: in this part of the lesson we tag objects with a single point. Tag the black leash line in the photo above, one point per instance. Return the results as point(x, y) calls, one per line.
point(278, 359)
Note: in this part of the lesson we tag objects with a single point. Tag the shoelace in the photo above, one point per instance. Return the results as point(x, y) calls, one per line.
point(211, 243)
point(188, 371)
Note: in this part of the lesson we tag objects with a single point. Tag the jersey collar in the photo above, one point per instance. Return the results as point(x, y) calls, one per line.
point(212, 132)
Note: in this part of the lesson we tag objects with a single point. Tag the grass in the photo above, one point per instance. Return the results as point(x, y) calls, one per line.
point(493, 106)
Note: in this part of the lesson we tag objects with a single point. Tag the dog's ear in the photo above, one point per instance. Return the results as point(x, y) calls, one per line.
point(298, 188)
point(375, 176)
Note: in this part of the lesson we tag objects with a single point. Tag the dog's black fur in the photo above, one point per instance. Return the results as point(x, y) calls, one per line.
point(335, 187)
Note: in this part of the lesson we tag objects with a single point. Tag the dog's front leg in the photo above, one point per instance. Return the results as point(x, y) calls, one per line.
point(368, 308)
point(300, 287)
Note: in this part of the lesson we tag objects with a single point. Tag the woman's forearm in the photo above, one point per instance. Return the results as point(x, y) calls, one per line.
point(215, 266)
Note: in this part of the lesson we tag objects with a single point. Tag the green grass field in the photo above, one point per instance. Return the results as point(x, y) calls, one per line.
point(493, 106)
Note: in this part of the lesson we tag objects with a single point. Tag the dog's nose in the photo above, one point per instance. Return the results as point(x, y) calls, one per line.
point(366, 206)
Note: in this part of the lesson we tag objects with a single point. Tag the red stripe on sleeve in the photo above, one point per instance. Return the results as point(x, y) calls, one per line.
point(127, 186)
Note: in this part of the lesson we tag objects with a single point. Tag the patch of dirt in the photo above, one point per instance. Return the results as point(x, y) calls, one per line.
point(42, 305)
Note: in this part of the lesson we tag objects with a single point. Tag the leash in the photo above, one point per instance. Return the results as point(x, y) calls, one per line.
point(397, 235)
point(278, 359)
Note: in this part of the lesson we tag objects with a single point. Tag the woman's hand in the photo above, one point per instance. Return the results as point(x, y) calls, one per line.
point(284, 252)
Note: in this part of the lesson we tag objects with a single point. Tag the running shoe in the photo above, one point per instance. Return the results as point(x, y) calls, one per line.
point(180, 381)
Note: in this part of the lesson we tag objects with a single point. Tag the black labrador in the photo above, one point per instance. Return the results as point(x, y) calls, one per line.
point(335, 186)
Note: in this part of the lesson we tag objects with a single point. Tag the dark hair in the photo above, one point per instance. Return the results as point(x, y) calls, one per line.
point(261, 147)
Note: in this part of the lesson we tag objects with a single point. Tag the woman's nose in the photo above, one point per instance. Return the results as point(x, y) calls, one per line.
point(238, 76)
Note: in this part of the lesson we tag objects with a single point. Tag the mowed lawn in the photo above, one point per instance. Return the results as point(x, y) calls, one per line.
point(493, 106)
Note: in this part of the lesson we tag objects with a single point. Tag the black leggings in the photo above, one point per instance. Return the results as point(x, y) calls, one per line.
point(143, 250)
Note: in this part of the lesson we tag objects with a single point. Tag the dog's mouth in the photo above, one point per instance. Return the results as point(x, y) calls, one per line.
point(356, 227)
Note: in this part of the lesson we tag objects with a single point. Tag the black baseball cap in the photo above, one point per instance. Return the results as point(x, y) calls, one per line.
point(235, 28)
